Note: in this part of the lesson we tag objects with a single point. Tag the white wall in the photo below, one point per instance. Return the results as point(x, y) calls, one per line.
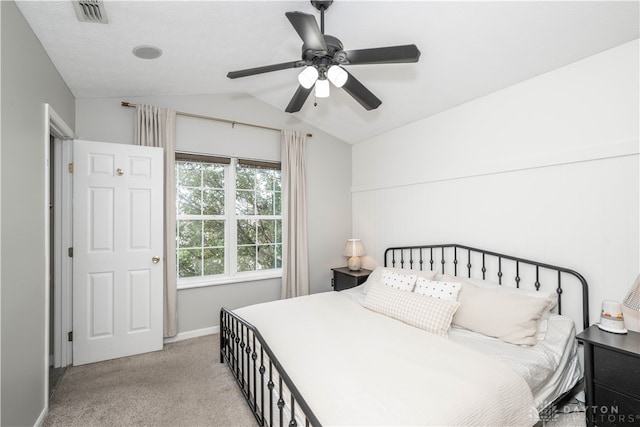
point(546, 169)
point(328, 180)
point(29, 80)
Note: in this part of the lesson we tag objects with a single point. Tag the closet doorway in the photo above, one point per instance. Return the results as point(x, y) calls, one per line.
point(58, 135)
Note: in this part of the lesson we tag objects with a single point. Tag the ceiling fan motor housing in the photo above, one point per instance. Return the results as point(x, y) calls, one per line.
point(324, 59)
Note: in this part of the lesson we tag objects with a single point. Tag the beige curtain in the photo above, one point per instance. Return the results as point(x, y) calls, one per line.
point(155, 127)
point(295, 262)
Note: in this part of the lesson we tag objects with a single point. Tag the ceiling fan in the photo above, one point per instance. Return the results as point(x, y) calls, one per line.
point(323, 57)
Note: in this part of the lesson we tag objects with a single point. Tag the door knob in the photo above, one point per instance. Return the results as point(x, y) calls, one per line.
point(155, 259)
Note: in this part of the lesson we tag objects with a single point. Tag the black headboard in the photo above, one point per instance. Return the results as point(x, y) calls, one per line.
point(464, 261)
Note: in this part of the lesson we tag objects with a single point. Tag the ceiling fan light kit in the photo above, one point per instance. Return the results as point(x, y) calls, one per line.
point(337, 75)
point(323, 57)
point(322, 88)
point(307, 77)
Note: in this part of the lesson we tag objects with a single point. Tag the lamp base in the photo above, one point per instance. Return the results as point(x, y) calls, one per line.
point(354, 263)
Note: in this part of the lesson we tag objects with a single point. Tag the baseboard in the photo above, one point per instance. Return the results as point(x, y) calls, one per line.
point(193, 334)
point(42, 417)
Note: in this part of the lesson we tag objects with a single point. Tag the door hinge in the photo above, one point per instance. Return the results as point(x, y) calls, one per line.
point(70, 167)
point(70, 336)
point(70, 252)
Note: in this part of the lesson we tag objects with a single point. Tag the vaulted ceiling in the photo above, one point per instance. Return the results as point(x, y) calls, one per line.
point(468, 50)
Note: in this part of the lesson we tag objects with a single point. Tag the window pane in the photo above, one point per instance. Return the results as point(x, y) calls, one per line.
point(189, 234)
point(266, 257)
point(213, 176)
point(213, 261)
point(189, 174)
point(266, 231)
point(213, 202)
point(245, 178)
point(246, 232)
point(245, 202)
point(264, 179)
point(213, 233)
point(189, 201)
point(276, 181)
point(278, 231)
point(264, 202)
point(246, 258)
point(189, 262)
point(278, 203)
point(278, 256)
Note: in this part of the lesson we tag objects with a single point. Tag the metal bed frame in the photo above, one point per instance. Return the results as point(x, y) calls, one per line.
point(272, 395)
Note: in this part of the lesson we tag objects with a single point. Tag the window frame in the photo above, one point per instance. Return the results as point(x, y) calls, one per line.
point(231, 273)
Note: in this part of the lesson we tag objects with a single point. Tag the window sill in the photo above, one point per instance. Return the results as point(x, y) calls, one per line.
point(203, 282)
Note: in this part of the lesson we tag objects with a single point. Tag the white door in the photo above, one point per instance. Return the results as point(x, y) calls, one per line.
point(117, 250)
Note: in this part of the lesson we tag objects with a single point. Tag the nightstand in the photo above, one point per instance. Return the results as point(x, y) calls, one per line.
point(343, 278)
point(612, 377)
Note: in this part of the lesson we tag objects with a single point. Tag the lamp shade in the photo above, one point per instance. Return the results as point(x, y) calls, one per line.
point(322, 88)
point(337, 75)
point(632, 300)
point(308, 77)
point(354, 248)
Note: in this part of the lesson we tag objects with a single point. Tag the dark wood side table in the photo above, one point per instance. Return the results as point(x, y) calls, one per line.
point(343, 278)
point(612, 377)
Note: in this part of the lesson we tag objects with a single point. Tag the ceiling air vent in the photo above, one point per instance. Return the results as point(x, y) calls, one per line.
point(90, 11)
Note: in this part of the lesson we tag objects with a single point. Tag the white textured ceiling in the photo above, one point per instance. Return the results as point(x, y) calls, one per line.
point(469, 49)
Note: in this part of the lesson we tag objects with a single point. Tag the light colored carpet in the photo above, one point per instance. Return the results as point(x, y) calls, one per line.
point(182, 385)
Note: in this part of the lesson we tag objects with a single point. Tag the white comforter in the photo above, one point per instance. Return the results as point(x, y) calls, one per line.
point(357, 367)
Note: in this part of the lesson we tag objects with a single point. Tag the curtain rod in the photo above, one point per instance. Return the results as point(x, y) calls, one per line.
point(215, 119)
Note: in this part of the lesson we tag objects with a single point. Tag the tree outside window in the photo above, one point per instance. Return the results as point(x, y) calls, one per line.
point(229, 218)
point(259, 218)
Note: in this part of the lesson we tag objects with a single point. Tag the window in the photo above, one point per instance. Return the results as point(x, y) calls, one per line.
point(229, 220)
point(259, 219)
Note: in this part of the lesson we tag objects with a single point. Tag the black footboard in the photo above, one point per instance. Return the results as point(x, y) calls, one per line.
point(272, 396)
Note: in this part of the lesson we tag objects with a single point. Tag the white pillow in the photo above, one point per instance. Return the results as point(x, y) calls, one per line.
point(402, 282)
point(512, 316)
point(376, 275)
point(552, 295)
point(486, 284)
point(436, 289)
point(430, 314)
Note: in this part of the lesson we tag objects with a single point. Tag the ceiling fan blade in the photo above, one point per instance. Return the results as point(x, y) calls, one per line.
point(380, 55)
point(361, 94)
point(265, 69)
point(308, 30)
point(298, 99)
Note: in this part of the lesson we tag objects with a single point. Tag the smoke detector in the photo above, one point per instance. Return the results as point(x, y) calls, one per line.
point(90, 11)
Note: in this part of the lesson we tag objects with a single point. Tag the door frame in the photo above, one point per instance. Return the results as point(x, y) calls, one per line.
point(56, 127)
point(63, 264)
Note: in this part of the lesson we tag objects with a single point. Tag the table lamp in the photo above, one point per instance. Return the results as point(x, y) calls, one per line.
point(631, 304)
point(632, 299)
point(354, 250)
